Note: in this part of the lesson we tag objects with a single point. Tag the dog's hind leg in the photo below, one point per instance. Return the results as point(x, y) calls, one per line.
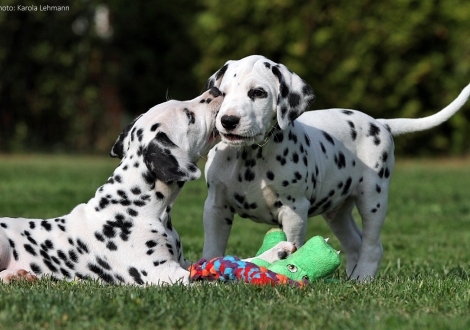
point(6, 273)
point(372, 207)
point(345, 228)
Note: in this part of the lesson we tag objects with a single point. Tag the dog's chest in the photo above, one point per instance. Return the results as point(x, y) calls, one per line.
point(307, 175)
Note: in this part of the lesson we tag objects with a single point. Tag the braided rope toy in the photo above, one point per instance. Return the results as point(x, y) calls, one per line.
point(230, 268)
point(313, 261)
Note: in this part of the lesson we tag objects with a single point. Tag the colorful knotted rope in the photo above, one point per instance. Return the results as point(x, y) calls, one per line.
point(231, 268)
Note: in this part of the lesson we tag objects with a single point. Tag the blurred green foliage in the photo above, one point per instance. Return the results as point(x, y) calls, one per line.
point(64, 87)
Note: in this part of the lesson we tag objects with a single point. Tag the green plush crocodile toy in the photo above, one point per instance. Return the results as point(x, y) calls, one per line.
point(316, 259)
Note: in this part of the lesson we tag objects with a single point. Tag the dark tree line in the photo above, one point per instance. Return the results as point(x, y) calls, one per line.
point(70, 80)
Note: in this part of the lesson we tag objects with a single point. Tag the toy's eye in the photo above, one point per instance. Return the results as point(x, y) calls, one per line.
point(305, 277)
point(291, 268)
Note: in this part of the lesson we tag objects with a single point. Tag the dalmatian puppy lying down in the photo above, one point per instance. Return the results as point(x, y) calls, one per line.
point(278, 166)
point(124, 233)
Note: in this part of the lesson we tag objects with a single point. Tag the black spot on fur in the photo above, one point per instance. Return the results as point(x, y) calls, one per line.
point(82, 245)
point(249, 175)
point(136, 191)
point(49, 265)
point(111, 246)
point(158, 263)
point(47, 226)
point(151, 243)
point(103, 202)
point(73, 256)
point(30, 249)
point(132, 212)
point(190, 114)
point(239, 198)
point(47, 245)
point(347, 112)
point(169, 225)
point(139, 203)
point(154, 127)
point(170, 248)
point(374, 131)
point(108, 278)
point(353, 130)
point(35, 268)
point(381, 173)
point(103, 263)
point(295, 157)
point(221, 72)
point(65, 273)
point(387, 173)
point(340, 160)
point(278, 204)
point(44, 255)
point(328, 138)
point(346, 186)
point(108, 231)
point(294, 99)
point(307, 140)
point(270, 175)
point(384, 156)
point(292, 137)
point(162, 138)
point(149, 177)
point(32, 240)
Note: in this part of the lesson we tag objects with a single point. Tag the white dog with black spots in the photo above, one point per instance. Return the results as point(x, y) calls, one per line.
point(124, 234)
point(278, 166)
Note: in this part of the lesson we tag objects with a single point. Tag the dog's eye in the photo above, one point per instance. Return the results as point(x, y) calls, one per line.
point(257, 93)
point(292, 268)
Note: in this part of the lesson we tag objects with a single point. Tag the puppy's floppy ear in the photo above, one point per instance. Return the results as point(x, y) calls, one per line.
point(216, 78)
point(295, 95)
point(122, 143)
point(168, 162)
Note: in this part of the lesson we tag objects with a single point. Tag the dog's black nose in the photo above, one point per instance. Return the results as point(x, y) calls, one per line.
point(229, 122)
point(214, 91)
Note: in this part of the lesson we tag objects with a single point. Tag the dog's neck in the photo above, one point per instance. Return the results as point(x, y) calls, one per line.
point(134, 192)
point(273, 137)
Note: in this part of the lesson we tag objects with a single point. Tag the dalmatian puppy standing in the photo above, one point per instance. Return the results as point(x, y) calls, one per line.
point(277, 166)
point(124, 233)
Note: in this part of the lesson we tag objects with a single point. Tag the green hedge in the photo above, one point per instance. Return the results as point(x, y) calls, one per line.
point(64, 91)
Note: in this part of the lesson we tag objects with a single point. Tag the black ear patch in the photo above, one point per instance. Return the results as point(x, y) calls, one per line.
point(168, 163)
point(211, 82)
point(295, 95)
point(165, 140)
point(118, 149)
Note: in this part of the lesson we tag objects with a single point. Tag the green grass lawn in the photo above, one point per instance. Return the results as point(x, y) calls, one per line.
point(423, 281)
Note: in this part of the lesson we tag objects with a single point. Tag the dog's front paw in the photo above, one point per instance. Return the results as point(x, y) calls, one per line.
point(280, 251)
point(9, 275)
